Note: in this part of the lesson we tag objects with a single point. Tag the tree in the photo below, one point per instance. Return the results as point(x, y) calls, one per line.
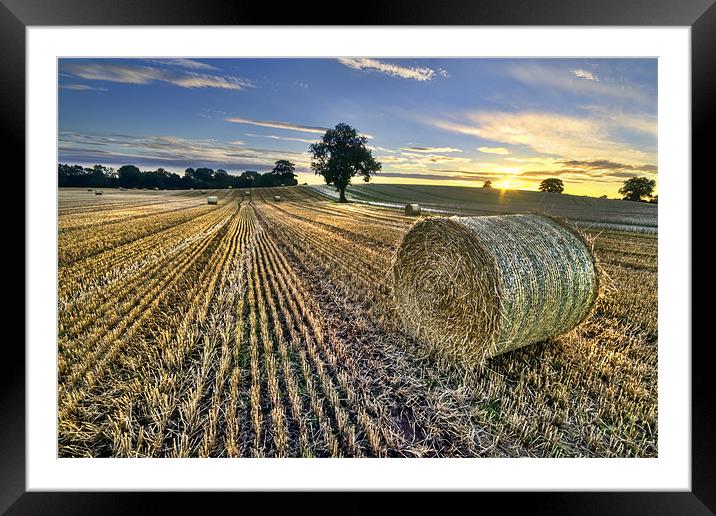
point(222, 179)
point(551, 184)
point(248, 179)
point(129, 176)
point(204, 174)
point(284, 172)
point(341, 155)
point(487, 184)
point(637, 187)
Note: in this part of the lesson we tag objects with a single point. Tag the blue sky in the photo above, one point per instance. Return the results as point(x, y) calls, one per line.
point(591, 122)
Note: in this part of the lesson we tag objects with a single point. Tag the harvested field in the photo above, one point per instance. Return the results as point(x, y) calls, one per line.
point(588, 212)
point(255, 328)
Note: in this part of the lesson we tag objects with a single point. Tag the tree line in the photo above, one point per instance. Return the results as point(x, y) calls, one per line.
point(129, 176)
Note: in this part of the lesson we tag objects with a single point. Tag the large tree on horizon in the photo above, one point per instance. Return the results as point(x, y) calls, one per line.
point(635, 188)
point(284, 170)
point(129, 176)
point(552, 185)
point(341, 155)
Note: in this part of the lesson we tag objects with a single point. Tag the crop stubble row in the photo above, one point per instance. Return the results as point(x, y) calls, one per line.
point(258, 328)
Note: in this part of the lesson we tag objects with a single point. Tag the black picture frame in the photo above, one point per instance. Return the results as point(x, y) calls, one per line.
point(16, 15)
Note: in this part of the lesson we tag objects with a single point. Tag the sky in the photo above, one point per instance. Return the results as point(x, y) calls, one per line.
point(590, 122)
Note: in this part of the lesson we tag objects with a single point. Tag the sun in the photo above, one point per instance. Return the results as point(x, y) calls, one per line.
point(505, 184)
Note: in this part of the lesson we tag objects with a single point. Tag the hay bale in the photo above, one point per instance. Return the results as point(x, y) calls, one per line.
point(98, 192)
point(412, 209)
point(212, 199)
point(89, 189)
point(475, 287)
point(156, 188)
point(277, 198)
point(204, 191)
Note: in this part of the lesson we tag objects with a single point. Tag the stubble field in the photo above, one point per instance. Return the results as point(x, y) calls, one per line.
point(259, 328)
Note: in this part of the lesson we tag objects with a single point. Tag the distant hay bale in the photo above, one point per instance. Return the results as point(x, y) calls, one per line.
point(276, 198)
point(89, 189)
point(412, 209)
point(230, 187)
point(475, 287)
point(247, 192)
point(212, 199)
point(156, 188)
point(98, 192)
point(204, 191)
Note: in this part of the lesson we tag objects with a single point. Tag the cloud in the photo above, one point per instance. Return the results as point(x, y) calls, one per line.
point(605, 164)
point(585, 74)
point(282, 138)
point(555, 77)
point(140, 74)
point(443, 150)
point(422, 158)
point(80, 87)
point(278, 125)
point(285, 125)
point(404, 72)
point(446, 176)
point(566, 136)
point(493, 150)
point(183, 63)
point(171, 152)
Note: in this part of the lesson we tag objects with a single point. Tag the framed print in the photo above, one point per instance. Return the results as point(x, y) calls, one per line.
point(422, 255)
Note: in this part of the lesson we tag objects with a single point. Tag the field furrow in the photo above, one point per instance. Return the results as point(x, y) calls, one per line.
point(264, 328)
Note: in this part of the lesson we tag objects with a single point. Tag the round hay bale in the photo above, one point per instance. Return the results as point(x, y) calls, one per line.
point(98, 192)
point(412, 209)
point(212, 199)
point(277, 198)
point(475, 287)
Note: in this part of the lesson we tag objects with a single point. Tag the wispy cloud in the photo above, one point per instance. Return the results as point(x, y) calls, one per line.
point(438, 150)
point(447, 175)
point(494, 150)
point(81, 87)
point(282, 138)
point(171, 152)
point(586, 74)
point(289, 126)
point(140, 74)
point(635, 122)
point(278, 125)
point(191, 64)
point(583, 83)
point(211, 113)
point(605, 164)
point(565, 136)
point(403, 72)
